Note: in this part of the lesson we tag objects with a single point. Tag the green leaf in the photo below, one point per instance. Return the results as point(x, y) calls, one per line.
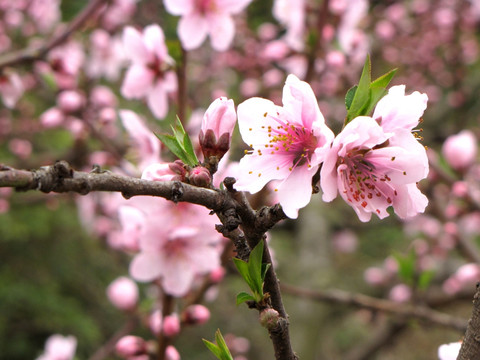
point(243, 297)
point(213, 348)
point(378, 89)
point(407, 266)
point(362, 93)
point(349, 97)
point(265, 268)
point(242, 268)
point(255, 268)
point(172, 144)
point(425, 279)
point(226, 355)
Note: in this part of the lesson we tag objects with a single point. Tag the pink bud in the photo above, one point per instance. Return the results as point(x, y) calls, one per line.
point(70, 101)
point(217, 274)
point(375, 276)
point(52, 117)
point(171, 353)
point(102, 96)
point(155, 321)
point(165, 171)
point(130, 345)
point(400, 293)
point(217, 127)
point(460, 150)
point(345, 241)
point(171, 325)
point(200, 176)
point(460, 189)
point(123, 293)
point(196, 314)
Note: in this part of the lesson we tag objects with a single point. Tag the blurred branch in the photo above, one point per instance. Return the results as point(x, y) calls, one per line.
point(367, 302)
point(34, 53)
point(470, 349)
point(108, 348)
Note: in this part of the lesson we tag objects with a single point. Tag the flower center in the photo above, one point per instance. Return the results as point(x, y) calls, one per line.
point(364, 181)
point(205, 6)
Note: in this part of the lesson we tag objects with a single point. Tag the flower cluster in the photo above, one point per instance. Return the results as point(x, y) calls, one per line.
point(373, 163)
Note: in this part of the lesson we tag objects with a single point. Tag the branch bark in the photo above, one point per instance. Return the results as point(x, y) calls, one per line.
point(470, 349)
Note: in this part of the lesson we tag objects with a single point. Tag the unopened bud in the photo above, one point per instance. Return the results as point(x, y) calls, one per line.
point(200, 176)
point(165, 172)
point(123, 293)
point(171, 325)
point(130, 345)
point(196, 315)
point(269, 318)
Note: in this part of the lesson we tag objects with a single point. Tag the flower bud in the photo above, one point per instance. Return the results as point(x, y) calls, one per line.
point(123, 293)
point(269, 318)
point(217, 127)
point(130, 345)
point(165, 172)
point(171, 325)
point(460, 150)
point(200, 176)
point(70, 101)
point(171, 353)
point(196, 314)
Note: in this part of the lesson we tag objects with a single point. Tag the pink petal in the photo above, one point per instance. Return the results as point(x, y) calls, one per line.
point(155, 41)
point(137, 83)
point(146, 267)
point(409, 201)
point(178, 276)
point(233, 6)
point(295, 192)
point(399, 111)
point(157, 101)
point(222, 30)
point(179, 7)
point(328, 175)
point(135, 47)
point(300, 103)
point(192, 31)
point(252, 122)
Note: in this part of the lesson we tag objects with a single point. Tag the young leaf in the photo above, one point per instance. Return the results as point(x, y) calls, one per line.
point(362, 93)
point(172, 144)
point(406, 266)
point(349, 97)
point(243, 296)
point(220, 350)
point(255, 268)
point(213, 348)
point(378, 89)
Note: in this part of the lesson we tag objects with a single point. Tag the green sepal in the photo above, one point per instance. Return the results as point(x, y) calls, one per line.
point(220, 350)
point(180, 144)
point(243, 297)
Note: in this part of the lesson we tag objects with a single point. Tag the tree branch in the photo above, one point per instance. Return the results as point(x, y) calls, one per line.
point(470, 349)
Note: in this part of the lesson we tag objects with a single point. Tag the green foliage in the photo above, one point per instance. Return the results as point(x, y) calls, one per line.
point(362, 98)
point(220, 350)
point(408, 273)
point(180, 144)
point(253, 272)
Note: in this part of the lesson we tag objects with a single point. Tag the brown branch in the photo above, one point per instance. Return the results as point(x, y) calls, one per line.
point(470, 349)
point(34, 53)
point(367, 302)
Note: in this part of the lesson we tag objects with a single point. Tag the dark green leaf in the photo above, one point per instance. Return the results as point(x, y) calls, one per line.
point(255, 268)
point(362, 93)
point(265, 268)
point(349, 97)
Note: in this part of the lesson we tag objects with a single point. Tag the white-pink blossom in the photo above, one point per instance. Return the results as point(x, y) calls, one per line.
point(150, 74)
point(59, 347)
point(288, 144)
point(291, 14)
point(202, 18)
point(11, 88)
point(177, 243)
point(460, 150)
point(449, 351)
point(375, 163)
point(123, 293)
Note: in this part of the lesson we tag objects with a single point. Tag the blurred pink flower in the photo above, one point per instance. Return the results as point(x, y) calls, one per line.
point(11, 88)
point(20, 147)
point(196, 314)
point(149, 75)
point(460, 150)
point(59, 347)
point(70, 101)
point(45, 13)
point(144, 141)
point(291, 14)
point(206, 17)
point(376, 162)
point(130, 345)
point(400, 293)
point(171, 325)
point(288, 142)
point(107, 56)
point(449, 351)
point(123, 293)
point(65, 62)
point(171, 353)
point(178, 249)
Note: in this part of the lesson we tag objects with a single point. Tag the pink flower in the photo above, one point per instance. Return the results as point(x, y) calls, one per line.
point(11, 88)
point(460, 150)
point(177, 243)
point(400, 293)
point(150, 75)
point(292, 15)
point(107, 56)
point(449, 351)
point(59, 347)
point(123, 293)
point(373, 170)
point(171, 325)
point(217, 127)
point(130, 345)
point(206, 17)
point(144, 141)
point(196, 314)
point(288, 142)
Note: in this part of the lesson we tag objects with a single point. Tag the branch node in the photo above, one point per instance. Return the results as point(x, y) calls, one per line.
point(228, 182)
point(177, 191)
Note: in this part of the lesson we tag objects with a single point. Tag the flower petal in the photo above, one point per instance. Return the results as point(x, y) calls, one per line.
point(409, 201)
point(179, 7)
point(192, 30)
point(157, 100)
point(233, 6)
point(137, 82)
point(155, 41)
point(134, 46)
point(221, 29)
point(146, 266)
